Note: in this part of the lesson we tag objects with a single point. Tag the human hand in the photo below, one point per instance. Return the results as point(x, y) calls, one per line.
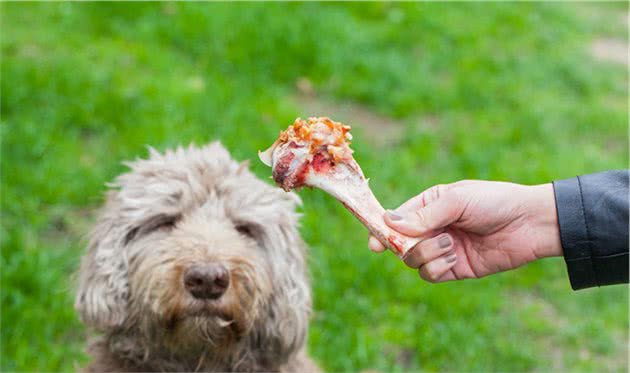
point(476, 228)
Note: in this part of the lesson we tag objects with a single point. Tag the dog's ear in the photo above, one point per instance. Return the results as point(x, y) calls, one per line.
point(103, 288)
point(285, 325)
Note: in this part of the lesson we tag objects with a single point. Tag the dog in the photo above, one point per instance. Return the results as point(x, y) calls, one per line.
point(195, 264)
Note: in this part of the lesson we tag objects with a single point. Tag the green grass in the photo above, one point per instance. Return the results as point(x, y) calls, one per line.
point(488, 91)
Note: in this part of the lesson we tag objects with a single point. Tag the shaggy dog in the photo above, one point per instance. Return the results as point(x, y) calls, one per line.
point(196, 265)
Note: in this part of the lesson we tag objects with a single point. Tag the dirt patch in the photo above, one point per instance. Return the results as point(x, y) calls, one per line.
point(30, 51)
point(380, 130)
point(403, 356)
point(610, 50)
point(70, 224)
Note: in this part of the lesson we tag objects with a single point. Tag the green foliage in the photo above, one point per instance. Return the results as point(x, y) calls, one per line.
point(484, 90)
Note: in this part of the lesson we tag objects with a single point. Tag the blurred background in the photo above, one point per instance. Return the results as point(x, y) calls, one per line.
point(435, 92)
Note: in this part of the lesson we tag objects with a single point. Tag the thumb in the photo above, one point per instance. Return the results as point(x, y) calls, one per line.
point(436, 215)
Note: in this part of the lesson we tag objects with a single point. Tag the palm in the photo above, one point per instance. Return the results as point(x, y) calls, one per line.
point(495, 240)
point(481, 255)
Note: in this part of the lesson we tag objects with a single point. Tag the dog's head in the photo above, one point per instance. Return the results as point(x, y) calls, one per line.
point(192, 247)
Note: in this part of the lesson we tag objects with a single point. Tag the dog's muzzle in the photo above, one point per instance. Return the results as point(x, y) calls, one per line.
point(206, 281)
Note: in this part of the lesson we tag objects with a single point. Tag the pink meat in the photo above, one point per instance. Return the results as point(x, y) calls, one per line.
point(299, 162)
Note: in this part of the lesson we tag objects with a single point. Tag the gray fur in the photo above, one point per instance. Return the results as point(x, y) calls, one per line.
point(130, 287)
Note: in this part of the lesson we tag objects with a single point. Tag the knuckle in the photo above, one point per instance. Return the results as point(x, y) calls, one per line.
point(423, 198)
point(427, 274)
point(461, 183)
point(432, 277)
point(415, 258)
point(435, 191)
point(439, 190)
point(453, 197)
point(422, 274)
point(420, 253)
point(411, 264)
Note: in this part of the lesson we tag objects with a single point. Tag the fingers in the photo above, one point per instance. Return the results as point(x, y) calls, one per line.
point(408, 224)
point(437, 270)
point(413, 204)
point(440, 213)
point(436, 208)
point(428, 212)
point(429, 250)
point(423, 198)
point(434, 257)
point(375, 245)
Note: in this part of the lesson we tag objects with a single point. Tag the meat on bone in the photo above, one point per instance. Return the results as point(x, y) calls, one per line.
point(316, 153)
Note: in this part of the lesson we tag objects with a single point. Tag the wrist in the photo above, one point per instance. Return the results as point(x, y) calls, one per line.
point(543, 217)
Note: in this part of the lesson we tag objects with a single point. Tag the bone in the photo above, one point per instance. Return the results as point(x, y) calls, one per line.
point(316, 153)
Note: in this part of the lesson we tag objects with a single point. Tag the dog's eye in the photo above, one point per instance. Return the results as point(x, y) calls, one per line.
point(165, 226)
point(245, 229)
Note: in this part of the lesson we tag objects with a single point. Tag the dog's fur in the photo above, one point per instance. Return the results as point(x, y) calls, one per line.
point(195, 205)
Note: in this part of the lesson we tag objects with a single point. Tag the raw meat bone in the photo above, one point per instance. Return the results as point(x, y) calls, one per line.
point(351, 189)
point(298, 161)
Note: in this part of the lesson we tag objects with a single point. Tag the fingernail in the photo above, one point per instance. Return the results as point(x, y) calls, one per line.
point(444, 242)
point(451, 258)
point(394, 216)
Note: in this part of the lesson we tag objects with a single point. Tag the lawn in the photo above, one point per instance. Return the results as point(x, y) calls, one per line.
point(435, 92)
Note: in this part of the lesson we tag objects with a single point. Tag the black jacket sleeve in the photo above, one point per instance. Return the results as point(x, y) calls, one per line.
point(593, 219)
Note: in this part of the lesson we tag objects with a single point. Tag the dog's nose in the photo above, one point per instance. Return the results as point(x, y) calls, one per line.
point(207, 281)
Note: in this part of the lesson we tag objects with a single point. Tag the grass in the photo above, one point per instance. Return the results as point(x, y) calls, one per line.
point(503, 91)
